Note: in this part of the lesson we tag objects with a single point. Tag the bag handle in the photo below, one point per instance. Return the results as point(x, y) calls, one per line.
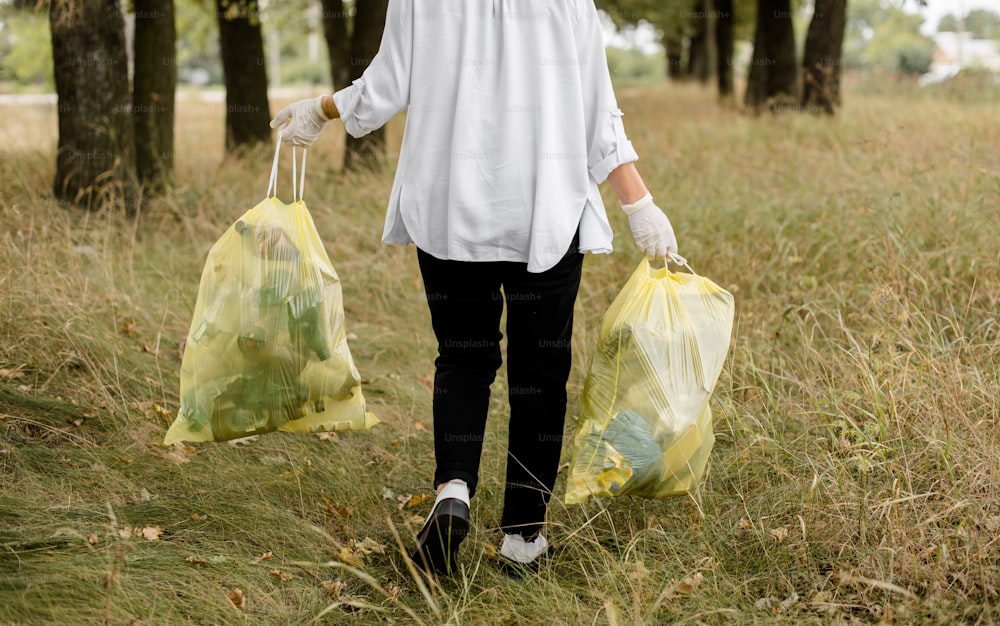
point(672, 257)
point(272, 185)
point(679, 260)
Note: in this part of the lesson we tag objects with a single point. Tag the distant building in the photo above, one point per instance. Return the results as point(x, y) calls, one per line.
point(957, 51)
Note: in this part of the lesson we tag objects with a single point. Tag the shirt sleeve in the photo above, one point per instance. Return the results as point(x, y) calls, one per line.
point(607, 145)
point(384, 88)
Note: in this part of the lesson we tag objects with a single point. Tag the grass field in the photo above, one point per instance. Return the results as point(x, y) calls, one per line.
point(856, 474)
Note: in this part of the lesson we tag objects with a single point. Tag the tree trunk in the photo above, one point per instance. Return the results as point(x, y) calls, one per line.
point(247, 114)
point(821, 60)
point(674, 49)
point(711, 46)
point(698, 46)
point(724, 46)
point(95, 160)
point(337, 43)
point(153, 91)
point(772, 82)
point(369, 22)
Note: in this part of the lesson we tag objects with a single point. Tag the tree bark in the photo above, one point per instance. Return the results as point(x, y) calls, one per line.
point(724, 46)
point(698, 46)
point(95, 162)
point(369, 22)
point(338, 45)
point(773, 79)
point(703, 54)
point(153, 90)
point(247, 114)
point(674, 49)
point(822, 57)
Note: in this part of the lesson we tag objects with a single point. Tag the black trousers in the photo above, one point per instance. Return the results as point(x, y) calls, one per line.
point(466, 303)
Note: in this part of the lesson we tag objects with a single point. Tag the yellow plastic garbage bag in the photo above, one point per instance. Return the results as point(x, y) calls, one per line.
point(267, 348)
point(645, 425)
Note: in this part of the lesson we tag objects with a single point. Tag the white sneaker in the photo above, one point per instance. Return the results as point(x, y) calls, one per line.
point(522, 552)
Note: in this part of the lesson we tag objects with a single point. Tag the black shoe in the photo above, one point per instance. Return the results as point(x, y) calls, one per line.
point(443, 532)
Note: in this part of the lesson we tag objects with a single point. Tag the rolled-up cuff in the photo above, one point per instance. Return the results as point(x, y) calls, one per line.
point(623, 153)
point(619, 152)
point(347, 100)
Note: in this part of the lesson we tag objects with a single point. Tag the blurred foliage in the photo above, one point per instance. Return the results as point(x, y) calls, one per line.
point(197, 41)
point(678, 19)
point(25, 48)
point(297, 69)
point(632, 68)
point(881, 35)
point(982, 23)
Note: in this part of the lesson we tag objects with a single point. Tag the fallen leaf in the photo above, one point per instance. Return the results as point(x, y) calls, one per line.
point(196, 561)
point(393, 591)
point(491, 551)
point(339, 509)
point(388, 494)
point(152, 533)
point(92, 540)
point(408, 502)
point(334, 587)
point(162, 413)
point(282, 575)
point(128, 326)
point(328, 436)
point(779, 533)
point(148, 350)
point(237, 599)
point(765, 603)
point(350, 557)
point(11, 374)
point(744, 524)
point(267, 556)
point(419, 427)
point(369, 546)
point(689, 584)
point(78, 422)
point(125, 533)
point(789, 601)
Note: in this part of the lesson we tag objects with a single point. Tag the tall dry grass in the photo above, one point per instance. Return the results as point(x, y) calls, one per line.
point(855, 475)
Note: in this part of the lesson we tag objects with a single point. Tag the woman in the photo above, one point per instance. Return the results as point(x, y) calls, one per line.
point(511, 125)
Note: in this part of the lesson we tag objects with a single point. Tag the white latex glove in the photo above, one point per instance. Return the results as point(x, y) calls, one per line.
point(301, 122)
point(651, 229)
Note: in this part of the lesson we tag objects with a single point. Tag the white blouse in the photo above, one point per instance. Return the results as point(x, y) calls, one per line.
point(511, 124)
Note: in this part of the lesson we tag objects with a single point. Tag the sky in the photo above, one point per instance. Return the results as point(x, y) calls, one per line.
point(936, 9)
